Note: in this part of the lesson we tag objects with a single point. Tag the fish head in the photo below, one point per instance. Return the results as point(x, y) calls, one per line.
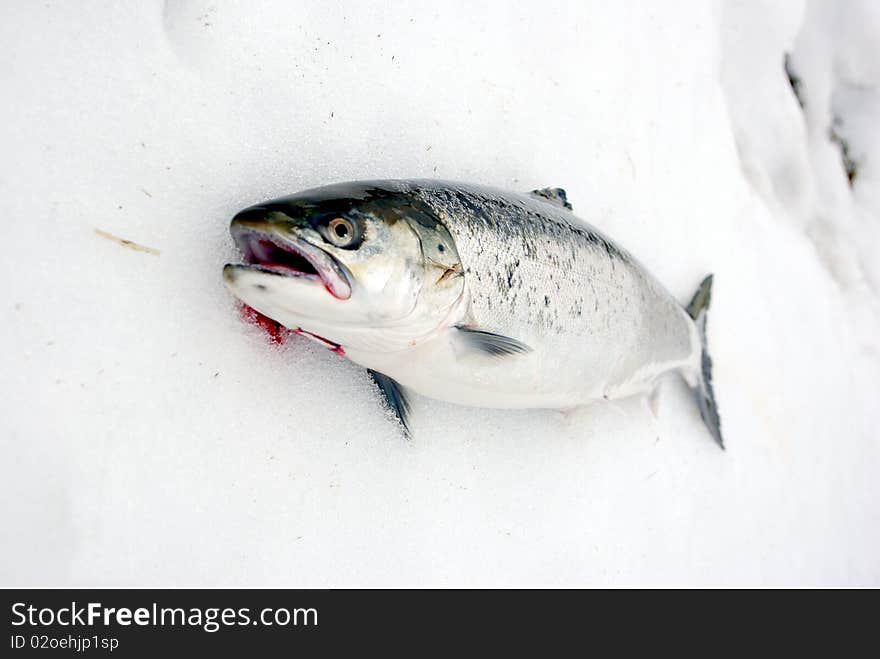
point(358, 266)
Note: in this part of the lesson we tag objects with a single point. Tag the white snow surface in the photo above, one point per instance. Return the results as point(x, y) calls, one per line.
point(151, 437)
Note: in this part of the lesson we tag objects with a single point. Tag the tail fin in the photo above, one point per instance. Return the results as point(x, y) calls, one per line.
point(698, 309)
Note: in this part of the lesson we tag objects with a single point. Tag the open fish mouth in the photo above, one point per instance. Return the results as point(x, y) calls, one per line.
point(265, 249)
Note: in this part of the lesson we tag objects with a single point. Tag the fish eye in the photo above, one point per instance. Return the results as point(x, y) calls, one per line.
point(342, 232)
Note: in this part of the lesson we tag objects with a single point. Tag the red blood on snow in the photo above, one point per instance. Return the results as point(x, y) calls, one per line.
point(275, 330)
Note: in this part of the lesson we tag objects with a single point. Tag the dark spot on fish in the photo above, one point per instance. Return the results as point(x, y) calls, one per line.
point(441, 248)
point(260, 287)
point(511, 269)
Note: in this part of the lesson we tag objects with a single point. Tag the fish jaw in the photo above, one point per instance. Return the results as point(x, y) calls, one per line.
point(284, 277)
point(290, 299)
point(269, 249)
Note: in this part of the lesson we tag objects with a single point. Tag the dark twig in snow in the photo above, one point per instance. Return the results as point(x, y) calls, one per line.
point(794, 80)
point(130, 244)
point(850, 164)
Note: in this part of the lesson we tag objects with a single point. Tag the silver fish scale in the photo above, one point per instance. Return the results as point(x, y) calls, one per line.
point(537, 273)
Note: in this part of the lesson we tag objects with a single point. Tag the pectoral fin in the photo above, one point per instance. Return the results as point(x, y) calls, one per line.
point(395, 398)
point(488, 343)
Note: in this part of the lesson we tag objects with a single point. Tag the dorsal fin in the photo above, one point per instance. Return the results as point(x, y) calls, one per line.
point(555, 196)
